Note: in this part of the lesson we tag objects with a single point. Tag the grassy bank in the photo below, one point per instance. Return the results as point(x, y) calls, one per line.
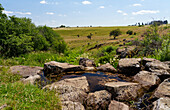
point(18, 96)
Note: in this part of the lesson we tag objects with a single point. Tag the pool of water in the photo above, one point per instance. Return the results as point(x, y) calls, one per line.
point(96, 80)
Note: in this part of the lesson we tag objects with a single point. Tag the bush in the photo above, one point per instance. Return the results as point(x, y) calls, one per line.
point(129, 32)
point(115, 33)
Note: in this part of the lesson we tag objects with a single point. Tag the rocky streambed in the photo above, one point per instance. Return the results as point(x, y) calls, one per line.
point(138, 84)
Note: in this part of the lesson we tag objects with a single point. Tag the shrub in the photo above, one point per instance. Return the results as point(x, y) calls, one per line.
point(115, 33)
point(129, 32)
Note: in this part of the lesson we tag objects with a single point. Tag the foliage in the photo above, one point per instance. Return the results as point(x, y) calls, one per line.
point(20, 36)
point(115, 33)
point(18, 96)
point(130, 32)
point(7, 77)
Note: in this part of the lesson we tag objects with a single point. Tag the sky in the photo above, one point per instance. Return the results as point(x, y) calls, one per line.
point(72, 13)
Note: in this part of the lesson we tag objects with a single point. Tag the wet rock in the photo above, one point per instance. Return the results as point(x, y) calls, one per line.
point(98, 100)
point(72, 89)
point(31, 79)
point(69, 105)
point(162, 104)
point(115, 105)
point(25, 71)
point(147, 79)
point(107, 68)
point(57, 67)
point(86, 62)
point(129, 66)
point(124, 91)
point(163, 89)
point(156, 65)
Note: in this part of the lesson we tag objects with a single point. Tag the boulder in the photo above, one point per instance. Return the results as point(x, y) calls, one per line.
point(163, 89)
point(107, 68)
point(98, 100)
point(25, 71)
point(90, 69)
point(162, 104)
point(69, 105)
point(124, 91)
point(147, 79)
point(146, 60)
point(86, 62)
point(167, 63)
point(57, 67)
point(129, 66)
point(31, 79)
point(115, 105)
point(156, 65)
point(72, 89)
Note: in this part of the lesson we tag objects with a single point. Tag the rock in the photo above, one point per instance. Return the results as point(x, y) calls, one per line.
point(124, 91)
point(147, 79)
point(72, 89)
point(98, 100)
point(90, 69)
point(31, 79)
point(167, 63)
point(163, 89)
point(57, 67)
point(156, 65)
point(69, 105)
point(146, 60)
point(107, 68)
point(129, 66)
point(115, 105)
point(86, 62)
point(162, 104)
point(25, 71)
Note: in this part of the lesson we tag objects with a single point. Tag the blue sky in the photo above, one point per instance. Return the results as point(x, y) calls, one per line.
point(88, 12)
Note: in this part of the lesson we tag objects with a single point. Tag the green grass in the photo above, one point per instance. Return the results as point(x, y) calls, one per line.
point(19, 96)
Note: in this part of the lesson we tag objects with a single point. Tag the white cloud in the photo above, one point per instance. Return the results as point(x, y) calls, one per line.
point(43, 2)
point(119, 11)
point(123, 13)
point(136, 5)
point(21, 13)
point(7, 12)
point(49, 13)
point(86, 2)
point(101, 7)
point(145, 12)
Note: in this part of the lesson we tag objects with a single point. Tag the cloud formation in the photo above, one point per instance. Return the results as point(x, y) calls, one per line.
point(21, 13)
point(101, 7)
point(135, 5)
point(123, 13)
point(43, 2)
point(86, 2)
point(142, 12)
point(49, 13)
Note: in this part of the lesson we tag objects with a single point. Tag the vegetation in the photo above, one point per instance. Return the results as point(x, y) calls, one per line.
point(129, 32)
point(18, 96)
point(20, 36)
point(115, 33)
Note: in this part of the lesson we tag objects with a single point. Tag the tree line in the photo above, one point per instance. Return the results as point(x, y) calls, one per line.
point(19, 36)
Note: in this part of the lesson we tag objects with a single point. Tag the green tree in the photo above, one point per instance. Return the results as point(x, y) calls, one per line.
point(115, 33)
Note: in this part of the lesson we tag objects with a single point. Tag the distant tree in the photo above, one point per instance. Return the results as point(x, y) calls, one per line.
point(62, 26)
point(166, 22)
point(115, 33)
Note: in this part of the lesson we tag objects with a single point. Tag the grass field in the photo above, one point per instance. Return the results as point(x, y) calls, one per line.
point(100, 35)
